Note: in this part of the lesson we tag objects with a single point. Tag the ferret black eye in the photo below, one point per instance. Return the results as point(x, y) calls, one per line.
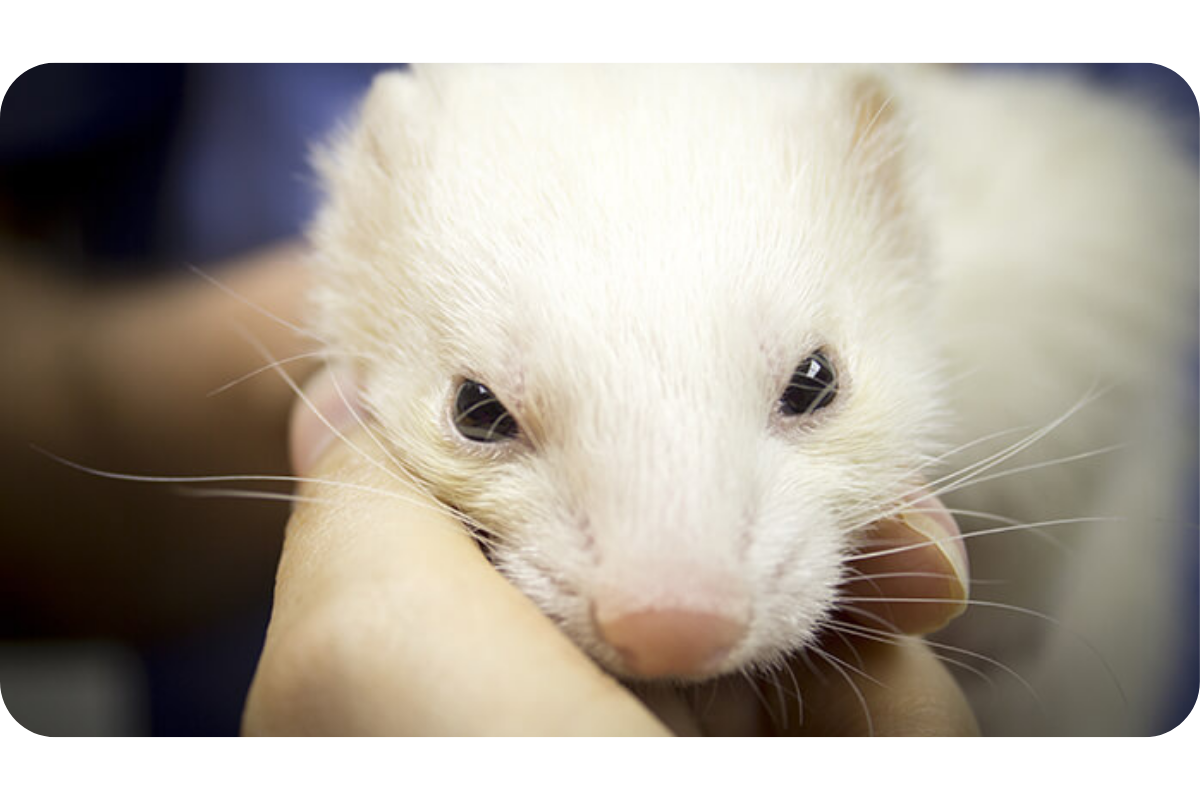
point(813, 386)
point(480, 417)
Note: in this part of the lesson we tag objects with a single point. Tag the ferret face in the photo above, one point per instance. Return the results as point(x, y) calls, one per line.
point(657, 332)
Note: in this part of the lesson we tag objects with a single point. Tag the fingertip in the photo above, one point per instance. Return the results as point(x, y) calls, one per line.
point(916, 575)
point(928, 518)
point(329, 406)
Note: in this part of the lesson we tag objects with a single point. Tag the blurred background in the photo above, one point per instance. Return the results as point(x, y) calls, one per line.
point(115, 616)
point(114, 619)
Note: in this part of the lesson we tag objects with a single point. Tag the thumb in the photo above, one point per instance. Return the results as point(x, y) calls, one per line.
point(328, 408)
point(914, 571)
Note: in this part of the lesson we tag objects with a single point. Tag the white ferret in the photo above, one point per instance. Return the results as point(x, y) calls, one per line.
point(671, 336)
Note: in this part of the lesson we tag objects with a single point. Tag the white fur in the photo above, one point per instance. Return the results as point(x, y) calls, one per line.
point(635, 259)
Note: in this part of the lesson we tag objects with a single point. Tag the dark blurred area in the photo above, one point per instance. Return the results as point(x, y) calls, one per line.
point(122, 171)
point(82, 158)
point(139, 166)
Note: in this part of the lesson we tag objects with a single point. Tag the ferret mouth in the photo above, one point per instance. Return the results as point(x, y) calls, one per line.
point(676, 647)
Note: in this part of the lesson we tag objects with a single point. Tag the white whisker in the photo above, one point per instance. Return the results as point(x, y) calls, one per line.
point(849, 606)
point(951, 481)
point(834, 662)
point(252, 494)
point(887, 637)
point(975, 534)
point(266, 368)
point(1029, 467)
point(402, 477)
point(299, 331)
point(234, 478)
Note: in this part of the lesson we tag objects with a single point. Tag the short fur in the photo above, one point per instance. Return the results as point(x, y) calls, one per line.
point(636, 259)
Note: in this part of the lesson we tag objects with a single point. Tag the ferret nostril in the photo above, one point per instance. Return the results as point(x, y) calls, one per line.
point(663, 642)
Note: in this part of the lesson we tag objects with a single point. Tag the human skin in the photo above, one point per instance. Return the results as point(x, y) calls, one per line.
point(389, 620)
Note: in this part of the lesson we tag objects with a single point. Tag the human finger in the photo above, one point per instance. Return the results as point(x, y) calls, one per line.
point(911, 572)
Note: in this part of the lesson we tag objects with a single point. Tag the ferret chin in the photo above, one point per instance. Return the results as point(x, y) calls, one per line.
point(671, 336)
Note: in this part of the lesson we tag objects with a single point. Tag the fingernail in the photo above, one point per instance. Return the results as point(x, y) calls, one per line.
point(928, 518)
point(329, 407)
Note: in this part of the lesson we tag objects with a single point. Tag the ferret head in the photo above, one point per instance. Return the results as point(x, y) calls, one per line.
point(658, 332)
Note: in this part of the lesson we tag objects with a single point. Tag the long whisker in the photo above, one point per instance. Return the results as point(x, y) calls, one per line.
point(252, 494)
point(872, 576)
point(862, 700)
point(266, 368)
point(1045, 536)
point(369, 428)
point(946, 482)
point(974, 534)
point(886, 637)
point(890, 636)
point(301, 332)
point(908, 495)
point(401, 477)
point(275, 364)
point(189, 479)
point(909, 480)
point(850, 606)
point(1028, 467)
point(761, 699)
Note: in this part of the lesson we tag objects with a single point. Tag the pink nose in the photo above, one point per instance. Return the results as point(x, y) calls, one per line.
point(661, 642)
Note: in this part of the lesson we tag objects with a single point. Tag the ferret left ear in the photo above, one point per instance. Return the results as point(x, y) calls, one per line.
point(879, 143)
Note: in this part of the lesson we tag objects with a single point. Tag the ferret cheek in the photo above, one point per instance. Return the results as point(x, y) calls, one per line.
point(328, 407)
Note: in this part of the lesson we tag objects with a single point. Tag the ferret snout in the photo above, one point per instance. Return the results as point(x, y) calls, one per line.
point(661, 642)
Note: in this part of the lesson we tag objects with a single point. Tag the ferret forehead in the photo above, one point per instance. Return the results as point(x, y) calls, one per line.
point(661, 292)
point(615, 142)
point(619, 200)
point(531, 206)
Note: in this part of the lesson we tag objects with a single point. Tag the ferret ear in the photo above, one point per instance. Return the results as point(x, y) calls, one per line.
point(875, 111)
point(373, 166)
point(879, 143)
point(395, 115)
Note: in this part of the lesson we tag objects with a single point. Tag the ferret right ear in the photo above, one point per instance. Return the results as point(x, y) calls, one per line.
point(373, 167)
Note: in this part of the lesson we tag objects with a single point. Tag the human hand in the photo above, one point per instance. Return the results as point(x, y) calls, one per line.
point(120, 377)
point(389, 620)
